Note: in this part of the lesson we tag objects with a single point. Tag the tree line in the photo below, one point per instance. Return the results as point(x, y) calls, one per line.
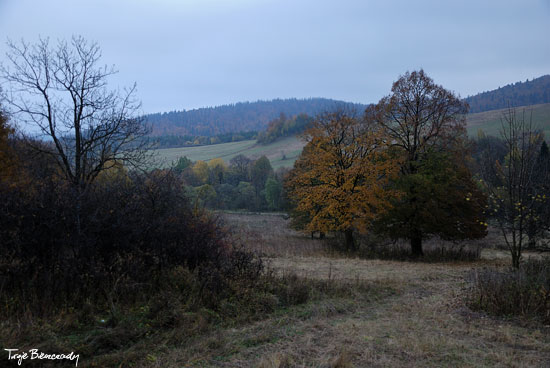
point(244, 184)
point(284, 127)
point(405, 169)
point(530, 92)
point(402, 169)
point(242, 116)
point(185, 127)
point(172, 141)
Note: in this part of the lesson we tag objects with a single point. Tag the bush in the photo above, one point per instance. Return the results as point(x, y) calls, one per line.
point(523, 292)
point(130, 230)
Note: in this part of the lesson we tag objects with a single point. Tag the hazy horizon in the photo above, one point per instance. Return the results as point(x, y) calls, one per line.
point(192, 54)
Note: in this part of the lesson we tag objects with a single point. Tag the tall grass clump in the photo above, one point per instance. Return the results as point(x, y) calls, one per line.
point(435, 250)
point(523, 292)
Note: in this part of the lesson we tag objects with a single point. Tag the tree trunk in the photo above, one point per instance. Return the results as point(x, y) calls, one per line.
point(416, 244)
point(515, 259)
point(350, 242)
point(532, 243)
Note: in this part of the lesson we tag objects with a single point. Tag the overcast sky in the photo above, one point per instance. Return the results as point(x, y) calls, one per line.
point(186, 54)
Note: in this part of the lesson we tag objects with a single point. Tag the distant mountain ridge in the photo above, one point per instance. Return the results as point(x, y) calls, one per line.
point(242, 116)
point(255, 116)
point(530, 92)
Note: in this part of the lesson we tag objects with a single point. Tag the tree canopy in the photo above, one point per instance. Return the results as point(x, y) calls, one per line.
point(339, 183)
point(426, 127)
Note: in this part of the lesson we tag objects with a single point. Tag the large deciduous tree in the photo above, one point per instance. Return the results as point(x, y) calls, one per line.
point(273, 191)
point(218, 170)
point(240, 168)
point(425, 125)
point(339, 183)
point(260, 171)
point(61, 93)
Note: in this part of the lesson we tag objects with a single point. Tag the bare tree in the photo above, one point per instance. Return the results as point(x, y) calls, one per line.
point(420, 116)
point(62, 92)
point(424, 120)
point(515, 195)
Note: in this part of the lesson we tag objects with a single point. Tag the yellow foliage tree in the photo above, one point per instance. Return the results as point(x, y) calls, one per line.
point(218, 168)
point(200, 168)
point(339, 183)
point(114, 171)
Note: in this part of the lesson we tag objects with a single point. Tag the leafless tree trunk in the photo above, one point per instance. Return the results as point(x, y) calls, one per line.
point(512, 184)
point(61, 92)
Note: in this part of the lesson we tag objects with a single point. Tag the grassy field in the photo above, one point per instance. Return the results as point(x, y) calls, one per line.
point(291, 147)
point(490, 121)
point(364, 313)
point(420, 320)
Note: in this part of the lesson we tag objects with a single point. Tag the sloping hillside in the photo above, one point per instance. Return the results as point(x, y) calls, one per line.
point(487, 109)
point(284, 151)
point(536, 91)
point(490, 121)
point(281, 153)
point(242, 116)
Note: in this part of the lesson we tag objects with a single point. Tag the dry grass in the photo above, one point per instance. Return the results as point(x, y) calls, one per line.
point(270, 235)
point(393, 314)
point(424, 322)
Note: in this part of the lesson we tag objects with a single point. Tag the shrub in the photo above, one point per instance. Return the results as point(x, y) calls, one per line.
point(523, 292)
point(131, 229)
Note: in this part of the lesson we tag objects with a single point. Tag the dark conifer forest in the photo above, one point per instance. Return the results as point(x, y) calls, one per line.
point(242, 116)
point(530, 92)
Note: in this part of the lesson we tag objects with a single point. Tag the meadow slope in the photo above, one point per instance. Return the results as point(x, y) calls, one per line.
point(290, 148)
point(491, 121)
point(281, 153)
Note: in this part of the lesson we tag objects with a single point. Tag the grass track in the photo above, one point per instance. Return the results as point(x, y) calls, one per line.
point(424, 322)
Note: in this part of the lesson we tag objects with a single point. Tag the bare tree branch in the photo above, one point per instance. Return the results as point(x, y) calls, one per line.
point(62, 91)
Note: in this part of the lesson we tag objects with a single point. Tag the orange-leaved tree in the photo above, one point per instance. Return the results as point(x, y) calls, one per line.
point(339, 183)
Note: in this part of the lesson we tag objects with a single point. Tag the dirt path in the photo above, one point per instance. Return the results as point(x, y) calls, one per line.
point(423, 324)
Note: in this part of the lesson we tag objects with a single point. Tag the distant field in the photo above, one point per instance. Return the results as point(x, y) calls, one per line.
point(289, 147)
point(490, 121)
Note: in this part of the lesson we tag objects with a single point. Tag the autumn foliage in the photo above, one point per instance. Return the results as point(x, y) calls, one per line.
point(340, 182)
point(401, 170)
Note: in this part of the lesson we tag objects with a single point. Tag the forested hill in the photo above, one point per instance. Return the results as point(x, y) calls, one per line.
point(536, 91)
point(255, 116)
point(242, 116)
